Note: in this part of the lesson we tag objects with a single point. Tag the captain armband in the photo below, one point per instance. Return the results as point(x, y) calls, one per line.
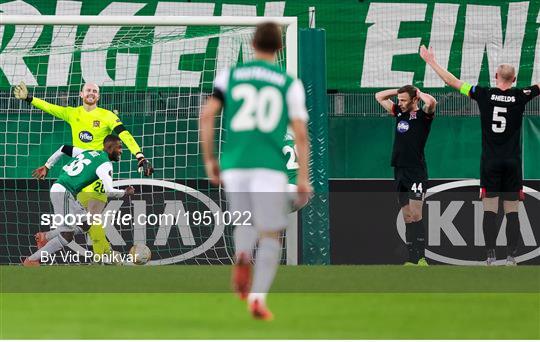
point(465, 89)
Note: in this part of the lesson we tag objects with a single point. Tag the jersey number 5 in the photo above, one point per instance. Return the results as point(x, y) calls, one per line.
point(76, 166)
point(260, 109)
point(499, 122)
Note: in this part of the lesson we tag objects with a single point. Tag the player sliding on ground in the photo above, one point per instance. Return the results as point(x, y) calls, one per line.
point(501, 116)
point(259, 101)
point(86, 167)
point(413, 125)
point(89, 126)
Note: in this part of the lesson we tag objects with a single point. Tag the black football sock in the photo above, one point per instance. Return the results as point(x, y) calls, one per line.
point(419, 242)
point(490, 229)
point(410, 236)
point(512, 233)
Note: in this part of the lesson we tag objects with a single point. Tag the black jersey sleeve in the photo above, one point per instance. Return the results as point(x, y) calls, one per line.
point(428, 116)
point(529, 93)
point(395, 109)
point(477, 93)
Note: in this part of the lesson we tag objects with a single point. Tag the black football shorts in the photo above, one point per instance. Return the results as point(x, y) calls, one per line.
point(411, 183)
point(501, 178)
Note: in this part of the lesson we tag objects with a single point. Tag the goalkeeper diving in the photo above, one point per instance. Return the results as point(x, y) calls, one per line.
point(89, 127)
point(85, 167)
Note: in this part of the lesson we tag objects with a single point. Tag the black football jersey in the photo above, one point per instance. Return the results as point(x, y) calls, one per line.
point(411, 134)
point(501, 115)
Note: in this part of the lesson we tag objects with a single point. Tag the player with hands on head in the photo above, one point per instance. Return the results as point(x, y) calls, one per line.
point(412, 127)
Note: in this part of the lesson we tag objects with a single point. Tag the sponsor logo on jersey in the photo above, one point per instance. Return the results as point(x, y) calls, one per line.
point(527, 92)
point(413, 115)
point(85, 136)
point(96, 123)
point(402, 126)
point(503, 98)
point(454, 225)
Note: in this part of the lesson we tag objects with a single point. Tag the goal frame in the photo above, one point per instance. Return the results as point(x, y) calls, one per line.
point(290, 24)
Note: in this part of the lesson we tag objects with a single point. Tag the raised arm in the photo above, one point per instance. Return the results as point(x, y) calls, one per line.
point(104, 172)
point(429, 101)
point(21, 92)
point(68, 150)
point(428, 55)
point(383, 97)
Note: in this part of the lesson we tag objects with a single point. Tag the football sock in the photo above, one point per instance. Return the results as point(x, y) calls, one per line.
point(490, 229)
point(100, 245)
point(512, 232)
point(244, 240)
point(51, 247)
point(266, 265)
point(410, 236)
point(419, 243)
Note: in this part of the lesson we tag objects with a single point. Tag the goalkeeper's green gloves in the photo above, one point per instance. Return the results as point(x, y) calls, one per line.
point(21, 92)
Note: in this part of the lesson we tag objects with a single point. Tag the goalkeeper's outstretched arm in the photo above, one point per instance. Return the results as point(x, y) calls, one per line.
point(143, 163)
point(68, 150)
point(21, 92)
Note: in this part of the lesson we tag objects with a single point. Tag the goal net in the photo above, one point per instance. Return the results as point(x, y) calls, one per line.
point(155, 73)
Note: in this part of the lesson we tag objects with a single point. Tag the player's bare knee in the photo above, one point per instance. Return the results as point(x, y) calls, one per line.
point(408, 218)
point(416, 216)
point(511, 206)
point(491, 204)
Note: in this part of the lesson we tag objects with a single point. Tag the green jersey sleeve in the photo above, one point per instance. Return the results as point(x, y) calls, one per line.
point(60, 112)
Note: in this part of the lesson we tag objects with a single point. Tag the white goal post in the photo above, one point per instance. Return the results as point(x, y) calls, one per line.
point(18, 114)
point(290, 24)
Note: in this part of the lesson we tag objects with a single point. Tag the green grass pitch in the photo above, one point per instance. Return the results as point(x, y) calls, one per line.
point(325, 302)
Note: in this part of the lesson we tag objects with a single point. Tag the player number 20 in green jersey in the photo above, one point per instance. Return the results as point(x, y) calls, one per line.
point(260, 100)
point(260, 109)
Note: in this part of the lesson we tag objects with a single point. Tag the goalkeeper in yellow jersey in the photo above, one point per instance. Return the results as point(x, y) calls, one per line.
point(89, 127)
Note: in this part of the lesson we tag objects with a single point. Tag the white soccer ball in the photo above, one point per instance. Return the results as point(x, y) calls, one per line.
point(141, 254)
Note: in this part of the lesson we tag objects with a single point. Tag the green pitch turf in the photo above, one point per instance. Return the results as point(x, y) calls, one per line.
point(177, 302)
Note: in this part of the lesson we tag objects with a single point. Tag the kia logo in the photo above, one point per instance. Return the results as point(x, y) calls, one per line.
point(191, 247)
point(450, 222)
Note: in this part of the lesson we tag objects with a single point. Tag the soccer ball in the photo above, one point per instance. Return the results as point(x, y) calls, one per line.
point(141, 254)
